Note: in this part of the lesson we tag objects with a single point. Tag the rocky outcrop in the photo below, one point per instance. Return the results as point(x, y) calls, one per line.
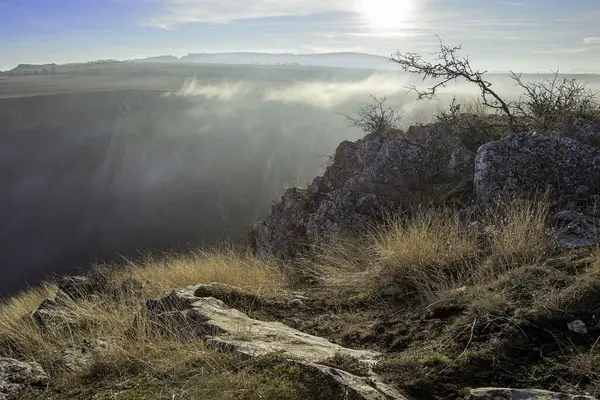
point(78, 287)
point(522, 394)
point(574, 229)
point(585, 131)
point(227, 329)
point(17, 376)
point(53, 313)
point(522, 164)
point(367, 179)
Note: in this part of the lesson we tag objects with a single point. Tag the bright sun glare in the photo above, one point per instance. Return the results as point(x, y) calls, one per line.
point(386, 14)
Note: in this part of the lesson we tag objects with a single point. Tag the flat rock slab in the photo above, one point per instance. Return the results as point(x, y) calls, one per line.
point(230, 330)
point(522, 394)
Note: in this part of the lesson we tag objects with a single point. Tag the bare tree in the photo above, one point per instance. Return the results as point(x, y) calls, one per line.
point(448, 66)
point(375, 116)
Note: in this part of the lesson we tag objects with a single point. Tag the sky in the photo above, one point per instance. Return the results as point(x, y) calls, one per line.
point(498, 35)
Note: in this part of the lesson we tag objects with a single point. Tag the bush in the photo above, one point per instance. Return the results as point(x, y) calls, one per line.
point(375, 116)
point(548, 105)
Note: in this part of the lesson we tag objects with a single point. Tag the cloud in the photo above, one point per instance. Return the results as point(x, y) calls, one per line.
point(320, 94)
point(330, 94)
point(592, 40)
point(182, 12)
point(224, 91)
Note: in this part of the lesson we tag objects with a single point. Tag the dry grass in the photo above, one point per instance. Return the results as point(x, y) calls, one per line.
point(256, 275)
point(517, 234)
point(135, 347)
point(425, 256)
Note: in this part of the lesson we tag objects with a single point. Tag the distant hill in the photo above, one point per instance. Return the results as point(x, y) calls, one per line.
point(33, 69)
point(347, 60)
point(157, 59)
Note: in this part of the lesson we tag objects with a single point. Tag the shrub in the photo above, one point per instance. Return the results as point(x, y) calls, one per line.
point(375, 116)
point(548, 105)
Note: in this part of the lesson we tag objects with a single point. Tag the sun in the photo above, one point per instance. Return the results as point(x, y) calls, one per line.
point(386, 14)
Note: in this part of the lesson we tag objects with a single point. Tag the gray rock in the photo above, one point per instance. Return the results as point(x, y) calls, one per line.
point(368, 179)
point(522, 394)
point(574, 229)
point(583, 130)
point(78, 287)
point(17, 376)
point(51, 314)
point(227, 329)
point(82, 355)
point(578, 326)
point(523, 164)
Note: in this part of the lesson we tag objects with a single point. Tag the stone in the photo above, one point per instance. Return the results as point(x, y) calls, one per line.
point(578, 326)
point(522, 394)
point(230, 330)
point(583, 130)
point(522, 165)
point(81, 356)
point(78, 287)
point(17, 376)
point(51, 314)
point(574, 229)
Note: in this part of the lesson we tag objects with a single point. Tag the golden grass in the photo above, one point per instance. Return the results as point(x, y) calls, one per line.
point(228, 267)
point(424, 253)
point(430, 254)
point(123, 322)
point(517, 234)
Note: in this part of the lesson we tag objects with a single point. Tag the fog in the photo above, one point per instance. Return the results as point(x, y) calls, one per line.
point(100, 175)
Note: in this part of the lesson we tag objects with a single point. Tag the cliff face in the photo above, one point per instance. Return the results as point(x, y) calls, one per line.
point(385, 171)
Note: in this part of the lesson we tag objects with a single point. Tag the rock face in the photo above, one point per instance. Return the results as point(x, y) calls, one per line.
point(585, 131)
point(367, 179)
point(523, 163)
point(227, 329)
point(17, 376)
point(522, 394)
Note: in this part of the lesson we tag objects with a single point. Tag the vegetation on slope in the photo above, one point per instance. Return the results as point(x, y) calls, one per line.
point(451, 307)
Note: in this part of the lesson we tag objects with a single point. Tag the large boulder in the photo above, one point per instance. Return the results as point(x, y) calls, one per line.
point(17, 376)
point(367, 179)
point(523, 164)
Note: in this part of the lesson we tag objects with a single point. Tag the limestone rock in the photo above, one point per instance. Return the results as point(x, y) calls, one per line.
point(81, 356)
point(78, 287)
point(230, 330)
point(522, 164)
point(574, 229)
point(16, 376)
point(51, 313)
